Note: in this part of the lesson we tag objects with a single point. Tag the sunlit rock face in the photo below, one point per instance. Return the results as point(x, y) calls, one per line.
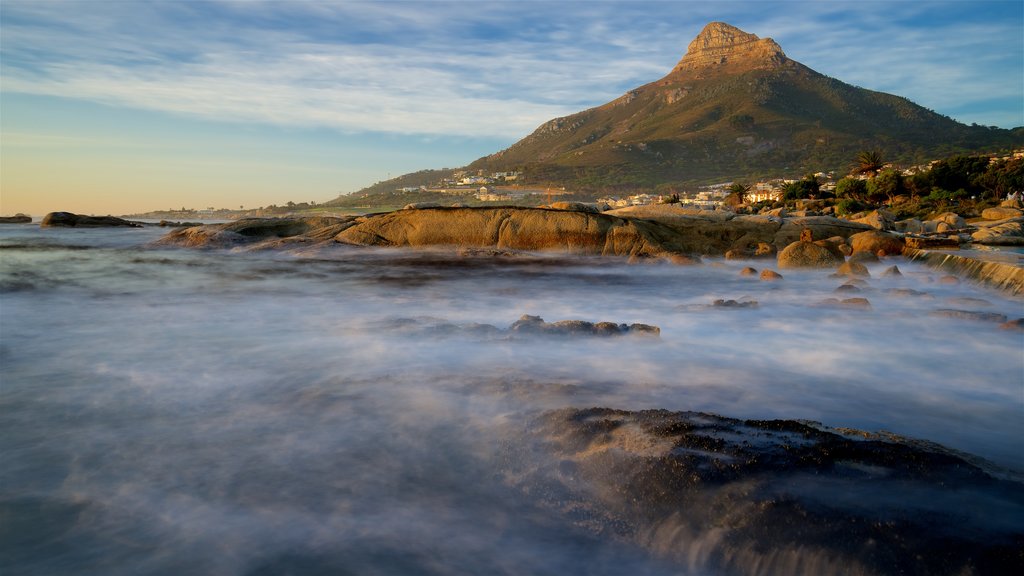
point(720, 47)
point(773, 496)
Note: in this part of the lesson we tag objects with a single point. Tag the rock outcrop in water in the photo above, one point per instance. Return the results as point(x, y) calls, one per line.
point(526, 327)
point(70, 220)
point(773, 497)
point(16, 219)
point(515, 229)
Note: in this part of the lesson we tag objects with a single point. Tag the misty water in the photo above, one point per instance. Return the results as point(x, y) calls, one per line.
point(335, 411)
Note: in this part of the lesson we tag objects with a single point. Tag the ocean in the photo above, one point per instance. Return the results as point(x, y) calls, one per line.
point(343, 411)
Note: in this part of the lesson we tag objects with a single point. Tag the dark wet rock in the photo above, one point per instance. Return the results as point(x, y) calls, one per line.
point(968, 301)
point(16, 219)
point(855, 303)
point(848, 288)
point(891, 271)
point(803, 254)
point(875, 240)
point(535, 325)
point(906, 292)
point(720, 303)
point(970, 315)
point(853, 268)
point(770, 276)
point(748, 271)
point(170, 224)
point(70, 220)
point(729, 496)
point(1017, 325)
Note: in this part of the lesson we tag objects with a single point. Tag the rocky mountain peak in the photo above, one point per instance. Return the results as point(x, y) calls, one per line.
point(721, 47)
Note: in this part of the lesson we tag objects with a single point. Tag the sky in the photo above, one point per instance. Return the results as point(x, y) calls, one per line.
point(121, 106)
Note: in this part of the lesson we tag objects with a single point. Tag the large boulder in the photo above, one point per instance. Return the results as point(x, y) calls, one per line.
point(71, 220)
point(515, 229)
point(1009, 233)
point(717, 495)
point(1001, 213)
point(951, 219)
point(876, 240)
point(802, 254)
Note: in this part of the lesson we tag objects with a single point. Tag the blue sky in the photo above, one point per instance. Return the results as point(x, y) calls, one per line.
point(123, 106)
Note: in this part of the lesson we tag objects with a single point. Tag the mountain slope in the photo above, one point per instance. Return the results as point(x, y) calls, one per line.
point(734, 106)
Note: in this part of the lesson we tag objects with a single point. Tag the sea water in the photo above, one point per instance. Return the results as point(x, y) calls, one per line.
point(331, 411)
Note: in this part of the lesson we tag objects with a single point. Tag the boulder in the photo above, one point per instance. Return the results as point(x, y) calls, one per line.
point(764, 250)
point(70, 220)
point(770, 276)
point(1001, 213)
point(970, 315)
point(1006, 234)
point(717, 495)
point(874, 240)
point(880, 219)
point(253, 231)
point(952, 219)
point(833, 245)
point(16, 219)
point(1017, 325)
point(807, 255)
point(892, 271)
point(853, 268)
point(748, 271)
point(536, 326)
point(912, 225)
point(1013, 203)
point(863, 257)
point(512, 228)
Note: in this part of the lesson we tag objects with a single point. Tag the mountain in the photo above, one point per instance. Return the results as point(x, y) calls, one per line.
point(735, 106)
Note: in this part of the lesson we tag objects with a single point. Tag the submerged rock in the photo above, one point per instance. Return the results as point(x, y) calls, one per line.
point(70, 220)
point(535, 325)
point(722, 495)
point(970, 315)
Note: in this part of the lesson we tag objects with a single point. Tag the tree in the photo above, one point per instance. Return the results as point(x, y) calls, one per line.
point(737, 194)
point(852, 188)
point(885, 186)
point(869, 162)
point(806, 188)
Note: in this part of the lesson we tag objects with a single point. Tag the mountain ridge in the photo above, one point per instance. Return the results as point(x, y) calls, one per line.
point(734, 106)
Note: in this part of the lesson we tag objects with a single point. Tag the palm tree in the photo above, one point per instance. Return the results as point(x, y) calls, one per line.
point(869, 162)
point(739, 192)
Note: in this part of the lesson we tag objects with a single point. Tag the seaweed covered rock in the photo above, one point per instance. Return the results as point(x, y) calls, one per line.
point(722, 495)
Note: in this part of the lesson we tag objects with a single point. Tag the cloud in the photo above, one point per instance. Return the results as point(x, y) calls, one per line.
point(496, 70)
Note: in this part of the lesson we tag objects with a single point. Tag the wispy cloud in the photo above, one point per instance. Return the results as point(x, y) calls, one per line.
point(470, 69)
